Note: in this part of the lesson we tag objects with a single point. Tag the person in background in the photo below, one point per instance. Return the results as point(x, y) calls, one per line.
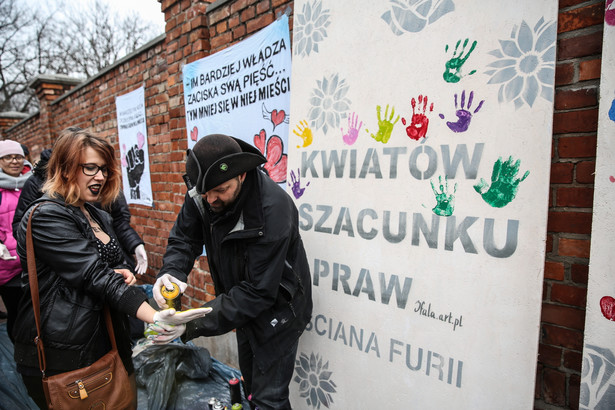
point(249, 226)
point(26, 152)
point(14, 171)
point(129, 239)
point(80, 269)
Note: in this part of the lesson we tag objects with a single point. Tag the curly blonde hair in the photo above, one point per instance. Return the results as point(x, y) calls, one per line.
point(64, 166)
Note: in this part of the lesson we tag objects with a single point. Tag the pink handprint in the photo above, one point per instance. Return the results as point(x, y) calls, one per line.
point(418, 127)
point(353, 131)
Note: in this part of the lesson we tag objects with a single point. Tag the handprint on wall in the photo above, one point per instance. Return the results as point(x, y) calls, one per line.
point(351, 136)
point(419, 122)
point(305, 133)
point(385, 125)
point(296, 184)
point(134, 163)
point(273, 150)
point(452, 73)
point(445, 202)
point(464, 116)
point(504, 183)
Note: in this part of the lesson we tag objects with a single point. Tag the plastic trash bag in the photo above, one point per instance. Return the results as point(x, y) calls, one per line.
point(161, 368)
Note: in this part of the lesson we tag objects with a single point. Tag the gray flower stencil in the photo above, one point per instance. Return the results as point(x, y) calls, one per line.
point(414, 15)
point(310, 28)
point(598, 379)
point(329, 103)
point(525, 64)
point(314, 378)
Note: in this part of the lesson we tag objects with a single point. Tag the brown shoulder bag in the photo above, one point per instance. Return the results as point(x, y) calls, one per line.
point(103, 384)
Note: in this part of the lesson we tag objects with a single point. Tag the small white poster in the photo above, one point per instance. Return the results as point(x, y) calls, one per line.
point(132, 137)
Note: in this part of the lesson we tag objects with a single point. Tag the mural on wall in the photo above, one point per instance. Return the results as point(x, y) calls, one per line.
point(244, 91)
point(419, 163)
point(134, 157)
point(598, 374)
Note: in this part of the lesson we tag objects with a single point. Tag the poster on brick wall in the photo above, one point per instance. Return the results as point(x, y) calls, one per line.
point(134, 156)
point(244, 91)
point(598, 371)
point(419, 161)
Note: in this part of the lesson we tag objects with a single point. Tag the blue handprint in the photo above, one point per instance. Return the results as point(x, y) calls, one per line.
point(464, 116)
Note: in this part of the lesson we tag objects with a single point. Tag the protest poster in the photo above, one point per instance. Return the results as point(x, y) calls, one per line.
point(134, 156)
point(244, 91)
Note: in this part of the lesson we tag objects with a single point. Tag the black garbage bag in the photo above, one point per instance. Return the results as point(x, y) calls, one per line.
point(161, 368)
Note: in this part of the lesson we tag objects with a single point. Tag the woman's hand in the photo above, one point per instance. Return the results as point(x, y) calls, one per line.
point(129, 277)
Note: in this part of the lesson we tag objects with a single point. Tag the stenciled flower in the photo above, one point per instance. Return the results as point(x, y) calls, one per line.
point(314, 380)
point(525, 64)
point(310, 28)
point(413, 15)
point(329, 103)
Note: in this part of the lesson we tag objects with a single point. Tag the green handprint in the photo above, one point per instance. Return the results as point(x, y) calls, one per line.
point(385, 126)
point(445, 202)
point(453, 66)
point(504, 185)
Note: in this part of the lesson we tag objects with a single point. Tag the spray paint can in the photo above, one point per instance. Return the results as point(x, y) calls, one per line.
point(234, 390)
point(218, 405)
point(237, 406)
point(172, 296)
point(212, 401)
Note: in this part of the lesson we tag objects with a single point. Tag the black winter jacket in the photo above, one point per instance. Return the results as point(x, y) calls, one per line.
point(74, 283)
point(129, 239)
point(258, 266)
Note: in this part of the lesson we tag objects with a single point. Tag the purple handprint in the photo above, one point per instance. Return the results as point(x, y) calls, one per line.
point(296, 184)
point(353, 131)
point(464, 116)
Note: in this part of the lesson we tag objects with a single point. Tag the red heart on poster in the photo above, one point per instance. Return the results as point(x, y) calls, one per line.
point(607, 305)
point(194, 134)
point(277, 117)
point(612, 178)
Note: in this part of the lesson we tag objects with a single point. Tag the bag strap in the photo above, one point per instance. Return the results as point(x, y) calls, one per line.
point(33, 278)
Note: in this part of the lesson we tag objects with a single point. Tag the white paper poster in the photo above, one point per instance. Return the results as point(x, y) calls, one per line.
point(420, 163)
point(132, 137)
point(244, 91)
point(598, 375)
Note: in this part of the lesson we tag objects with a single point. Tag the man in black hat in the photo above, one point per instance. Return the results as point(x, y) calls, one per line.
point(249, 226)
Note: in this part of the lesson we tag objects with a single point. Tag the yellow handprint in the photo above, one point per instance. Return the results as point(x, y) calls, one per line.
point(304, 133)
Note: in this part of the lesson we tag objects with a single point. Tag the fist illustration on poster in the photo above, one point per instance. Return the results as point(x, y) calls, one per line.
point(134, 162)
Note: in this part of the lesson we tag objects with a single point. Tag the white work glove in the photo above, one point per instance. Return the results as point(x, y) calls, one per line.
point(166, 280)
point(5, 254)
point(173, 317)
point(161, 333)
point(141, 257)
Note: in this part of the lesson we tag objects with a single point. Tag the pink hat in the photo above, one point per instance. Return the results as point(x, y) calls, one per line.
point(10, 147)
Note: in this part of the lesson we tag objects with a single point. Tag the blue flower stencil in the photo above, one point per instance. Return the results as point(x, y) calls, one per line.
point(525, 64)
point(329, 103)
point(310, 28)
point(414, 15)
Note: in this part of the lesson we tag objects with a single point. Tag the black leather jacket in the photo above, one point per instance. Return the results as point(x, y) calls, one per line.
point(258, 266)
point(74, 283)
point(31, 191)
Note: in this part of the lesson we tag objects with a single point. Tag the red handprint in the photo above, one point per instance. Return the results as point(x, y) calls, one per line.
point(274, 152)
point(418, 127)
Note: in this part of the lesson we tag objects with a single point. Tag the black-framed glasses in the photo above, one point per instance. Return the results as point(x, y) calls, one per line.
point(11, 158)
point(92, 169)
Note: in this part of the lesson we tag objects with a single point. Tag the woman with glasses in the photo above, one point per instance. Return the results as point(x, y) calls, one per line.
point(14, 171)
point(80, 268)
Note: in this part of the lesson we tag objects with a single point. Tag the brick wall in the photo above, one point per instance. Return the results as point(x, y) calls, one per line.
point(197, 28)
point(577, 80)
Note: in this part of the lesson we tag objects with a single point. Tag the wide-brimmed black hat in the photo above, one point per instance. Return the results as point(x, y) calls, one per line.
point(216, 158)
